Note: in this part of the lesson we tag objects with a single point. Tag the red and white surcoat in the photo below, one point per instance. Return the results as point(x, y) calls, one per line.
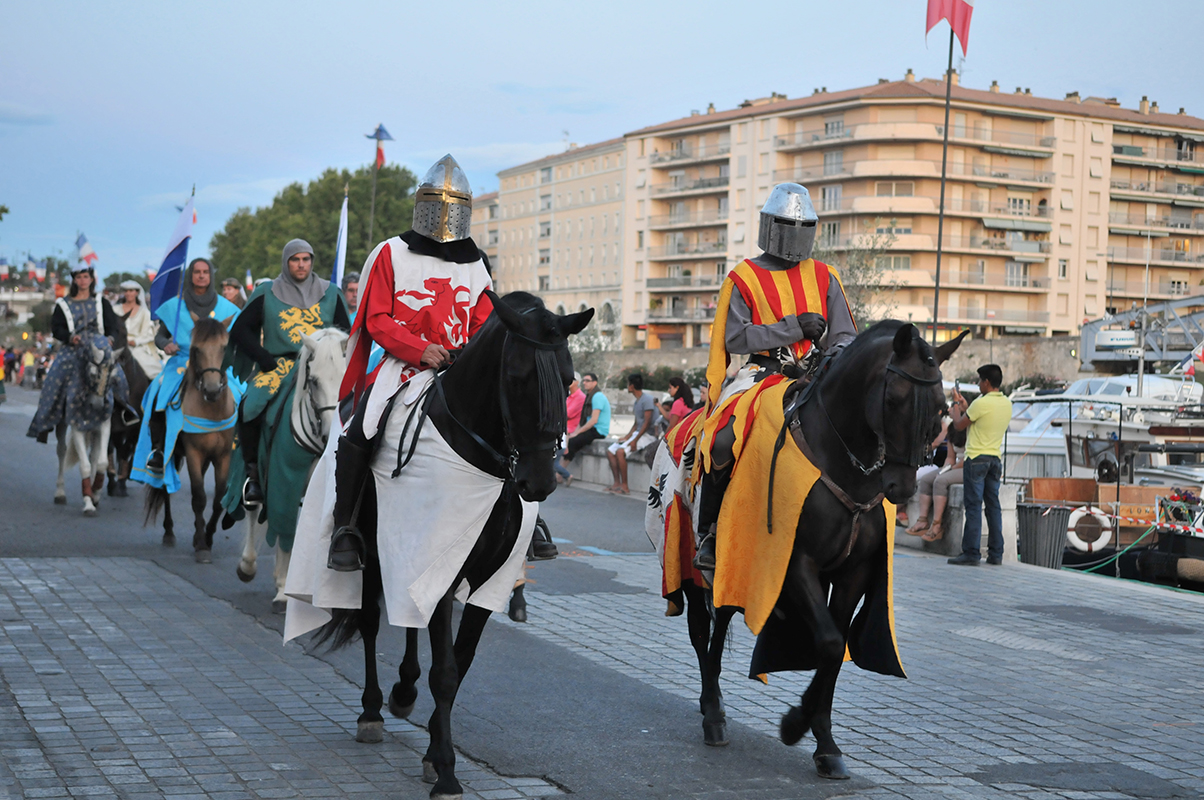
point(407, 302)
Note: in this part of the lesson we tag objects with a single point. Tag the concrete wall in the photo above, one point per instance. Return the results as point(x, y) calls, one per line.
point(1018, 356)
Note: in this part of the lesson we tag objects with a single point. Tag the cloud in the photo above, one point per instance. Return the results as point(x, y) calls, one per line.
point(248, 193)
point(11, 114)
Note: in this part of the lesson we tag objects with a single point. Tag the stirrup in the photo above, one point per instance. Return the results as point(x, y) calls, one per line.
point(156, 469)
point(345, 564)
point(704, 556)
point(251, 504)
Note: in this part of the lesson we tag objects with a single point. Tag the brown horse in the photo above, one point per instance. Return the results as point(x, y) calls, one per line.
point(207, 438)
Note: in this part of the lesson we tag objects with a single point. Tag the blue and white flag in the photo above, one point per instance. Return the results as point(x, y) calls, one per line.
point(171, 272)
point(340, 249)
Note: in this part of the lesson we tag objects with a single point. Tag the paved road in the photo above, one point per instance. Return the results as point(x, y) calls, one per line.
point(128, 670)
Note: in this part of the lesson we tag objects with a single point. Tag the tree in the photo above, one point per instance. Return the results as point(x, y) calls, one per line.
point(253, 239)
point(868, 283)
point(3, 211)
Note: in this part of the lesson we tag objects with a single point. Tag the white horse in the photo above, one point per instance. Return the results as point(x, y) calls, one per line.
point(89, 449)
point(320, 367)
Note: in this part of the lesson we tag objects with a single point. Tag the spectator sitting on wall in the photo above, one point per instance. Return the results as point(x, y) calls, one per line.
point(641, 435)
point(595, 418)
point(682, 404)
point(573, 405)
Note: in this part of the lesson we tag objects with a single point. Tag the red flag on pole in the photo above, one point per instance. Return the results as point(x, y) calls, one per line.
point(958, 13)
point(380, 154)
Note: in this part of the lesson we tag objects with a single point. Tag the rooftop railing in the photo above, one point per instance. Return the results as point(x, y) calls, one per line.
point(697, 184)
point(690, 153)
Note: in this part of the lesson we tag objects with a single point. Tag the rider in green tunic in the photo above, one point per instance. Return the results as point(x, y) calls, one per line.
point(278, 313)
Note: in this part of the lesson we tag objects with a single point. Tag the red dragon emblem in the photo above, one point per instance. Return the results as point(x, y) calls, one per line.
point(442, 314)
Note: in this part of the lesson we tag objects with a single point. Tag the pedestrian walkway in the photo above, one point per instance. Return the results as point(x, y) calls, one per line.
point(120, 679)
point(1024, 682)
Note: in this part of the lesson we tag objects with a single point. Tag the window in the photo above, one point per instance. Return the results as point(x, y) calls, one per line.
point(492, 238)
point(641, 153)
point(545, 257)
point(895, 189)
point(893, 262)
point(1063, 268)
point(829, 232)
point(1177, 287)
point(764, 129)
point(742, 132)
point(834, 162)
point(493, 212)
point(978, 273)
point(723, 207)
point(1017, 274)
point(640, 177)
point(1020, 206)
point(896, 226)
point(1185, 150)
point(545, 175)
point(829, 197)
point(764, 163)
point(833, 127)
point(545, 283)
point(593, 194)
point(545, 202)
point(677, 178)
point(545, 230)
point(739, 235)
point(1096, 167)
point(639, 240)
point(741, 166)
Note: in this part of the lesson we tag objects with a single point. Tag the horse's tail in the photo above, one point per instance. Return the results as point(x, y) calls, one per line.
point(342, 630)
point(156, 497)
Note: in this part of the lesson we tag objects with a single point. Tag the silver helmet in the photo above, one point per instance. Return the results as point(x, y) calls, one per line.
point(443, 202)
point(788, 223)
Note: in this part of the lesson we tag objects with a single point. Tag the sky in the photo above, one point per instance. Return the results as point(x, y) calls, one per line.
point(111, 112)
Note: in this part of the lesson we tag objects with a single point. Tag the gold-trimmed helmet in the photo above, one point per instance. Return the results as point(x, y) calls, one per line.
point(443, 202)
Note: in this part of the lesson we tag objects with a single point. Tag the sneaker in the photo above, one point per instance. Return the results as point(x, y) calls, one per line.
point(964, 561)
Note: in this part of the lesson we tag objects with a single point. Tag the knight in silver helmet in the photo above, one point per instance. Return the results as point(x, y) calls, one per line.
point(788, 223)
point(779, 333)
point(443, 202)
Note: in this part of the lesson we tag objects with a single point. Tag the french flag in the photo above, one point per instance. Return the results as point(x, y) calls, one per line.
point(86, 253)
point(958, 13)
point(171, 272)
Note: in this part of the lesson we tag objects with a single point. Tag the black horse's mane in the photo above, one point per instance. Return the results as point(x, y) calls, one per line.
point(872, 336)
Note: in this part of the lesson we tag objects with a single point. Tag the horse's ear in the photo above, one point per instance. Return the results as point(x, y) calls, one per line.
point(575, 323)
point(195, 318)
point(903, 339)
point(945, 351)
point(309, 342)
point(509, 317)
point(226, 322)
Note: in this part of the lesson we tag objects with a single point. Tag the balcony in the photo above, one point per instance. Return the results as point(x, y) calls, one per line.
point(680, 314)
point(712, 216)
point(690, 154)
point(679, 251)
point(995, 281)
point(1018, 249)
point(1189, 160)
point(911, 168)
point(1173, 191)
point(1160, 290)
point(913, 131)
point(993, 316)
point(697, 185)
point(684, 282)
point(1144, 222)
point(1138, 255)
point(965, 206)
point(1023, 246)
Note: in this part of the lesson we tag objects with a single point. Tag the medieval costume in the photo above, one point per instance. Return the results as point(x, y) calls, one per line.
point(279, 313)
point(140, 332)
point(81, 321)
point(162, 415)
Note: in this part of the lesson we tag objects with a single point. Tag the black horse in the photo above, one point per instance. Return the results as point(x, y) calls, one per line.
point(501, 408)
point(123, 432)
point(865, 422)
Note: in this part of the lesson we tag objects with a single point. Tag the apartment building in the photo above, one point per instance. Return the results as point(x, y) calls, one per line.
point(561, 229)
point(485, 225)
point(1053, 208)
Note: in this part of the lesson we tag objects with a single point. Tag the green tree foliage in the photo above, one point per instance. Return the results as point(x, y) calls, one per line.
point(253, 239)
point(868, 285)
point(3, 211)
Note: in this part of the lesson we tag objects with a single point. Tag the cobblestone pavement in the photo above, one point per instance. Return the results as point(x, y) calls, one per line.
point(119, 679)
point(1024, 682)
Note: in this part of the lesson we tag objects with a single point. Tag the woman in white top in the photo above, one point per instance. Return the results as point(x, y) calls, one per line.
point(140, 328)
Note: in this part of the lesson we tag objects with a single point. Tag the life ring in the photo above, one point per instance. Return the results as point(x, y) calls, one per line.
point(1105, 523)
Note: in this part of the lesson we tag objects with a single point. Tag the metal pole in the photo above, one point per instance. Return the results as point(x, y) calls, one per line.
point(940, 220)
point(372, 207)
point(1145, 299)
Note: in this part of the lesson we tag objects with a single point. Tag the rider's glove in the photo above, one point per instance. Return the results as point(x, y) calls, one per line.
point(813, 325)
point(268, 364)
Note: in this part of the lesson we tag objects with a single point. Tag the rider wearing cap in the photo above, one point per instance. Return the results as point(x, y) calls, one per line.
point(773, 309)
point(279, 313)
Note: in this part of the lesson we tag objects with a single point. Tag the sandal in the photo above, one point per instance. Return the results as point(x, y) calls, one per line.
point(921, 527)
point(934, 533)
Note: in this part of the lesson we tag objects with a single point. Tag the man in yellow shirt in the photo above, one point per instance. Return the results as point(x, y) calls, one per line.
point(987, 419)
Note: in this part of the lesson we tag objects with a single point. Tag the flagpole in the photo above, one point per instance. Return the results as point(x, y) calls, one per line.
point(372, 207)
point(183, 272)
point(940, 220)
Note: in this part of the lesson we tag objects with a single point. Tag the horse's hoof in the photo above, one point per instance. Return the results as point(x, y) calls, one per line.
point(794, 726)
point(518, 613)
point(429, 774)
point(203, 556)
point(89, 510)
point(121, 490)
point(831, 767)
point(169, 539)
point(243, 575)
point(445, 796)
point(279, 607)
point(714, 734)
point(370, 732)
point(60, 499)
point(399, 710)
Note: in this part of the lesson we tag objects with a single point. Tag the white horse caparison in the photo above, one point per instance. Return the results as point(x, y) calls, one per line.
point(89, 449)
point(320, 367)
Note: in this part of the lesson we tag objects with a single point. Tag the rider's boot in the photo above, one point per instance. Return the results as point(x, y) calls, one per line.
point(352, 467)
point(248, 443)
point(157, 427)
point(714, 484)
point(542, 547)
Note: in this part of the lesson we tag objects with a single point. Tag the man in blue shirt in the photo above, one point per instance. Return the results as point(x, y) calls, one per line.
point(595, 418)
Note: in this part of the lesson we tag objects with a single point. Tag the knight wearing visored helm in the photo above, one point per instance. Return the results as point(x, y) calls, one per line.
point(774, 309)
point(422, 294)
